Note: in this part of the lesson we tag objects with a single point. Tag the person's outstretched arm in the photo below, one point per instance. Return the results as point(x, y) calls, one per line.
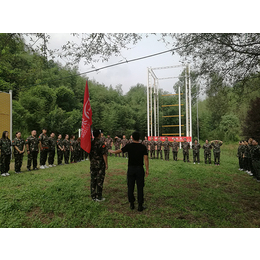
point(115, 151)
point(146, 162)
point(105, 159)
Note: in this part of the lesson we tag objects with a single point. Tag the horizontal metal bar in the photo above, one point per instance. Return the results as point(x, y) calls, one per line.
point(168, 67)
point(173, 134)
point(172, 116)
point(171, 125)
point(171, 105)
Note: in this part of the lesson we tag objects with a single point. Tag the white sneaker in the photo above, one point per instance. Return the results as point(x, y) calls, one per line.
point(53, 165)
point(100, 200)
point(7, 174)
point(50, 166)
point(194, 163)
point(42, 167)
point(3, 174)
point(46, 167)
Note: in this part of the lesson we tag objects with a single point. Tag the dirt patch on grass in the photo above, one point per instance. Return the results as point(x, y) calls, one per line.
point(48, 180)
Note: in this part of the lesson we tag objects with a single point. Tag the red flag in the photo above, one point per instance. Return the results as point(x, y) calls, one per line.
point(85, 142)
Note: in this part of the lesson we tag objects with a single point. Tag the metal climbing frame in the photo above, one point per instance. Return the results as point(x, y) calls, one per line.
point(153, 102)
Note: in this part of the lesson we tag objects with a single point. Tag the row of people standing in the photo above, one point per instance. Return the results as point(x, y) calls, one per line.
point(248, 154)
point(157, 146)
point(46, 145)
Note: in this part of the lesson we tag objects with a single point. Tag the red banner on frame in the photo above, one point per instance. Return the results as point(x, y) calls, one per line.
point(170, 138)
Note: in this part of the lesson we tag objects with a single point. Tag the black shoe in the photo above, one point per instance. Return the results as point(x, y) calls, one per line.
point(132, 205)
point(141, 207)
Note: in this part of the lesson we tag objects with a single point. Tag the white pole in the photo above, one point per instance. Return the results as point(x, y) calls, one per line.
point(151, 107)
point(158, 106)
point(154, 107)
point(190, 102)
point(79, 132)
point(179, 89)
point(148, 115)
point(186, 103)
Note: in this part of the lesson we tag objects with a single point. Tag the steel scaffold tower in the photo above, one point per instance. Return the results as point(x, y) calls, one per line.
point(153, 102)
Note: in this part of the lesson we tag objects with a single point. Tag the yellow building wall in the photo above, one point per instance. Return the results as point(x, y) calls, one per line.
point(4, 112)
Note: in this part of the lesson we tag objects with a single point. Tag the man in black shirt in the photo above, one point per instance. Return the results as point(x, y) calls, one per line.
point(137, 155)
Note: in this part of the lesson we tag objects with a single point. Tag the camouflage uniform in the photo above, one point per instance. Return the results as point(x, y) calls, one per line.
point(185, 146)
point(44, 139)
point(97, 168)
point(255, 154)
point(78, 151)
point(175, 148)
point(59, 151)
point(52, 145)
point(196, 152)
point(5, 146)
point(19, 143)
point(240, 155)
point(66, 144)
point(145, 143)
point(73, 152)
point(159, 149)
point(250, 162)
point(152, 149)
point(109, 142)
point(166, 148)
point(124, 142)
point(33, 143)
point(216, 151)
point(207, 152)
point(246, 161)
point(117, 145)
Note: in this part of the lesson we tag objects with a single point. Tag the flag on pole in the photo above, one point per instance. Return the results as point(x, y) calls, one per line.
point(85, 142)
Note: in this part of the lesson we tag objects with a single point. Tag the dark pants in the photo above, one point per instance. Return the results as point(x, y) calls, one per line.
point(123, 155)
point(152, 154)
point(72, 156)
point(60, 156)
point(216, 158)
point(196, 156)
point(18, 162)
point(159, 152)
point(51, 157)
point(250, 164)
point(241, 163)
point(32, 156)
point(5, 161)
point(207, 157)
point(96, 182)
point(175, 155)
point(166, 155)
point(66, 156)
point(135, 174)
point(43, 156)
point(186, 156)
point(246, 167)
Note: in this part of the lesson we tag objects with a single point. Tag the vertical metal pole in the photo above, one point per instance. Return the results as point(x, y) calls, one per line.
point(148, 114)
point(179, 89)
point(190, 102)
point(151, 111)
point(158, 115)
point(154, 107)
point(186, 103)
point(79, 132)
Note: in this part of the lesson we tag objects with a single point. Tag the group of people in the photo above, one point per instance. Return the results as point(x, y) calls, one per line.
point(69, 149)
point(248, 154)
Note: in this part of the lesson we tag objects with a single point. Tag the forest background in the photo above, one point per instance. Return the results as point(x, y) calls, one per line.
point(49, 94)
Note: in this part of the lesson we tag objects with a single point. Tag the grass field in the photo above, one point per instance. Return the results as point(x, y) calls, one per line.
point(177, 194)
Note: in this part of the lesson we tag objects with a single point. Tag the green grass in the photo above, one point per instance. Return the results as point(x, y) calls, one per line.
point(177, 194)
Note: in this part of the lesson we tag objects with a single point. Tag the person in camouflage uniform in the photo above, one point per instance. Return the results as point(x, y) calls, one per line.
point(66, 145)
point(186, 150)
point(207, 151)
point(52, 146)
point(250, 163)
point(32, 147)
point(78, 150)
point(98, 166)
point(166, 148)
point(255, 154)
point(60, 149)
point(5, 146)
point(152, 148)
point(124, 141)
point(196, 151)
point(240, 155)
point(117, 144)
point(72, 149)
point(145, 142)
point(18, 144)
point(109, 143)
point(245, 156)
point(44, 147)
point(216, 150)
point(159, 144)
point(175, 149)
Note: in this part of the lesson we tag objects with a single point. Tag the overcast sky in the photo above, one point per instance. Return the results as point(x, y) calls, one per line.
point(131, 73)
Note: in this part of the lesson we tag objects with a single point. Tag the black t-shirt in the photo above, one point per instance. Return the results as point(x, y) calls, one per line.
point(136, 152)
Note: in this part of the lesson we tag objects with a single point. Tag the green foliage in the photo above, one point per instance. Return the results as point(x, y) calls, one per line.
point(230, 126)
